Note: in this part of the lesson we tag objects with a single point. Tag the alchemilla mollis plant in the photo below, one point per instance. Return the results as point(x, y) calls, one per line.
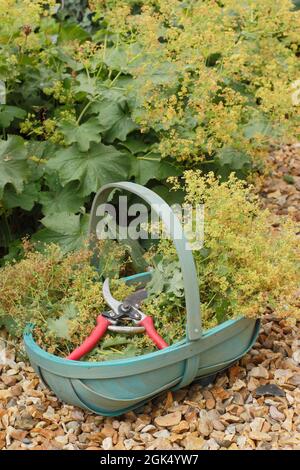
point(140, 90)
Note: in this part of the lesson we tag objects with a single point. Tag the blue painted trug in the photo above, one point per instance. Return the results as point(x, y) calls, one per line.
point(113, 394)
point(113, 387)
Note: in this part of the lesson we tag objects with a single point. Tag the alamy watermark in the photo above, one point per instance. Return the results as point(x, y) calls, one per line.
point(2, 92)
point(296, 93)
point(139, 222)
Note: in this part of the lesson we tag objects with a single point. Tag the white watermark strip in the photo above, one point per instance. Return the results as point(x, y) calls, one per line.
point(137, 222)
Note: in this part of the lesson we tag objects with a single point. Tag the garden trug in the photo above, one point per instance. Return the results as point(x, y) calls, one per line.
point(114, 387)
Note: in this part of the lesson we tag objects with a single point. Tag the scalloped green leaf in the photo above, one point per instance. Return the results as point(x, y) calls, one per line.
point(152, 166)
point(82, 134)
point(114, 119)
point(26, 199)
point(100, 165)
point(86, 85)
point(258, 126)
point(233, 160)
point(65, 229)
point(61, 326)
point(9, 113)
point(61, 199)
point(64, 223)
point(72, 32)
point(13, 164)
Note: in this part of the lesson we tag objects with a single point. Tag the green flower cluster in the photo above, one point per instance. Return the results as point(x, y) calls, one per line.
point(140, 90)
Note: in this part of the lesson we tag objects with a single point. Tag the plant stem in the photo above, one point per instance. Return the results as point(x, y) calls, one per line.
point(148, 159)
point(86, 108)
point(115, 79)
point(207, 161)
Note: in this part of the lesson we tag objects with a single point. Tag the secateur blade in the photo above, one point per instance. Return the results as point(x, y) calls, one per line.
point(136, 298)
point(133, 300)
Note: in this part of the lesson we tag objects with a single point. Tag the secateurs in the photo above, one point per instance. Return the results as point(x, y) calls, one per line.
point(112, 320)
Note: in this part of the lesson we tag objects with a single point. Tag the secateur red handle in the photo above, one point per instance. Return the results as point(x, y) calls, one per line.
point(148, 324)
point(90, 342)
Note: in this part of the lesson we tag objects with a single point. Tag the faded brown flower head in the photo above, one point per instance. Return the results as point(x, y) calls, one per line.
point(27, 29)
